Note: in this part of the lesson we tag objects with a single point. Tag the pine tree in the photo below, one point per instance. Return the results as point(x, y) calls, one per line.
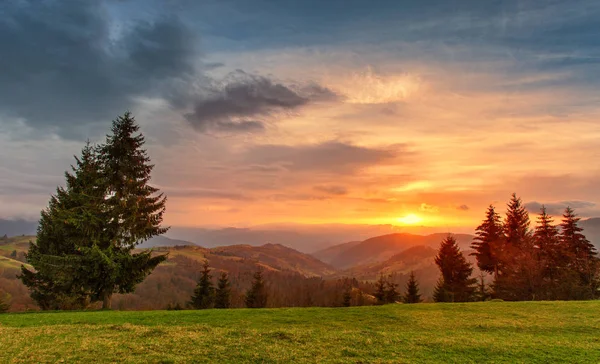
point(69, 223)
point(488, 242)
point(456, 271)
point(391, 293)
point(135, 210)
point(223, 292)
point(440, 292)
point(204, 294)
point(549, 257)
point(412, 294)
point(516, 223)
point(347, 296)
point(519, 275)
point(581, 255)
point(256, 297)
point(86, 235)
point(381, 290)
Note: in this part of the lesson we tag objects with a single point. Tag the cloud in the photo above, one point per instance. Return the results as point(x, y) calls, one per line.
point(65, 67)
point(234, 103)
point(428, 208)
point(557, 208)
point(207, 194)
point(332, 190)
point(329, 157)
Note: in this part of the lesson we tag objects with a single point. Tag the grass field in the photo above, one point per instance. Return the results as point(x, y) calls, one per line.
point(544, 332)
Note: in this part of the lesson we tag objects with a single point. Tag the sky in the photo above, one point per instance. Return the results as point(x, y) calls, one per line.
point(310, 112)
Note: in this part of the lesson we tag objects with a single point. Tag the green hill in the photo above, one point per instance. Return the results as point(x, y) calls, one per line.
point(500, 332)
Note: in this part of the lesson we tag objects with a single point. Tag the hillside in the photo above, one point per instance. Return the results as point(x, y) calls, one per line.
point(491, 332)
point(383, 247)
point(327, 255)
point(173, 281)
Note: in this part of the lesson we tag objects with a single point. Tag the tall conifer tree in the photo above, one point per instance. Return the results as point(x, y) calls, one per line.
point(256, 297)
point(204, 294)
point(223, 292)
point(87, 233)
point(455, 270)
point(581, 255)
point(412, 294)
point(488, 242)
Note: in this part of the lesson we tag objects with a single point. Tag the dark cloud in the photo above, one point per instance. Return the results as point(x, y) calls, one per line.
point(63, 67)
point(332, 190)
point(329, 157)
point(462, 207)
point(235, 103)
point(557, 208)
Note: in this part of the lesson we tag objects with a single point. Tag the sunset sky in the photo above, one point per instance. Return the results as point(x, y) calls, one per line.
point(339, 111)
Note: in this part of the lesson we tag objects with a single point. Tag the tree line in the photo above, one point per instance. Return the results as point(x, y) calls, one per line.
point(548, 262)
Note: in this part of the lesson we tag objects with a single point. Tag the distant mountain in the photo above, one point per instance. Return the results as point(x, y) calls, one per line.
point(304, 238)
point(327, 255)
point(278, 257)
point(591, 229)
point(383, 247)
point(17, 227)
point(163, 241)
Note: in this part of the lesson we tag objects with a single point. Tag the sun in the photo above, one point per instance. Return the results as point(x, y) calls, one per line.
point(410, 219)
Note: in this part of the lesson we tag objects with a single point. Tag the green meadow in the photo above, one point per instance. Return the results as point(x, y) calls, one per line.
point(500, 332)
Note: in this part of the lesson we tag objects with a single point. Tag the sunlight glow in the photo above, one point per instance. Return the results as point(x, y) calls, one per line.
point(410, 219)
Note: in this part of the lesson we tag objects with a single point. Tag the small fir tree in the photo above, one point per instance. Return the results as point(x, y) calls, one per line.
point(581, 255)
point(347, 297)
point(204, 294)
point(441, 293)
point(391, 294)
point(381, 290)
point(223, 292)
point(256, 297)
point(412, 294)
point(488, 242)
point(456, 271)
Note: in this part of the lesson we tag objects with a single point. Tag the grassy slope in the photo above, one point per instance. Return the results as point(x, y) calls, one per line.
point(475, 332)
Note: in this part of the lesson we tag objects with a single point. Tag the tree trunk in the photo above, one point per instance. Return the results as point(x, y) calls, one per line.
point(106, 301)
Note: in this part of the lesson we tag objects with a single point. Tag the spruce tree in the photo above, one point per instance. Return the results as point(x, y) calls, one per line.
point(381, 290)
point(86, 236)
point(204, 294)
point(347, 296)
point(412, 294)
point(581, 256)
point(488, 242)
point(516, 223)
point(67, 226)
point(440, 292)
point(455, 270)
point(391, 293)
point(549, 257)
point(223, 292)
point(134, 208)
point(256, 297)
point(519, 275)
